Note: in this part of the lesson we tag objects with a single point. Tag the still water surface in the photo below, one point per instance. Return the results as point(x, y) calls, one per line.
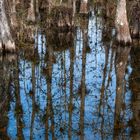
point(71, 86)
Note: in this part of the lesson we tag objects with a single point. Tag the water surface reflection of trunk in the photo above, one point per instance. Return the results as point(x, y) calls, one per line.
point(33, 100)
point(121, 60)
point(13, 14)
point(18, 105)
point(7, 65)
point(84, 26)
point(72, 54)
point(49, 106)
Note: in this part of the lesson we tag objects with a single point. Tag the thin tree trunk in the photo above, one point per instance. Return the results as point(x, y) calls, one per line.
point(31, 12)
point(121, 23)
point(13, 14)
point(83, 7)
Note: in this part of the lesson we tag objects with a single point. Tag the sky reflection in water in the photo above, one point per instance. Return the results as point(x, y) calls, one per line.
point(71, 93)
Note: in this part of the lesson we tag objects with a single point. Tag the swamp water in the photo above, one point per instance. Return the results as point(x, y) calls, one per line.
point(74, 85)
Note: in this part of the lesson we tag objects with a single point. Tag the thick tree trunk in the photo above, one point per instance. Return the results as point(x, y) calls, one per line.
point(6, 41)
point(121, 23)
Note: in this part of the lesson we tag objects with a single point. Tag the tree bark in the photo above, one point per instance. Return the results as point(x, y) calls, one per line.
point(121, 23)
point(31, 12)
point(83, 7)
point(6, 41)
point(14, 23)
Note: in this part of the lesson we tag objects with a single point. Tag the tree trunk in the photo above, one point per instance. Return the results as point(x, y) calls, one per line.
point(13, 14)
point(83, 7)
point(121, 23)
point(31, 12)
point(74, 7)
point(6, 41)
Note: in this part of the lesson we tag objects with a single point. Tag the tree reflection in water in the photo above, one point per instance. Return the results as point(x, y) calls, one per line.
point(81, 91)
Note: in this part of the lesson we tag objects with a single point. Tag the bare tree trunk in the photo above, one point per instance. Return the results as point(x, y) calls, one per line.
point(13, 14)
point(6, 41)
point(31, 12)
point(83, 7)
point(49, 106)
point(7, 64)
point(37, 7)
point(121, 23)
point(74, 7)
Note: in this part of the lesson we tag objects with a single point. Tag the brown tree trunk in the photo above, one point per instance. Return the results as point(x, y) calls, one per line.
point(6, 41)
point(14, 23)
point(74, 8)
point(31, 12)
point(121, 60)
point(83, 7)
point(121, 23)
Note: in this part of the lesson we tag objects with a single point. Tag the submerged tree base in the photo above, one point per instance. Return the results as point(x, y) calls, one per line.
point(123, 38)
point(122, 43)
point(8, 46)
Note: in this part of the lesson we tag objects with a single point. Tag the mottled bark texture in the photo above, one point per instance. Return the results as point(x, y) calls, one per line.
point(84, 7)
point(13, 16)
point(6, 41)
point(61, 18)
point(31, 12)
point(121, 23)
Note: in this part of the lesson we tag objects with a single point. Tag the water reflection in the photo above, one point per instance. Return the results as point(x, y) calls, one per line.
point(81, 91)
point(134, 86)
point(7, 64)
point(121, 115)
